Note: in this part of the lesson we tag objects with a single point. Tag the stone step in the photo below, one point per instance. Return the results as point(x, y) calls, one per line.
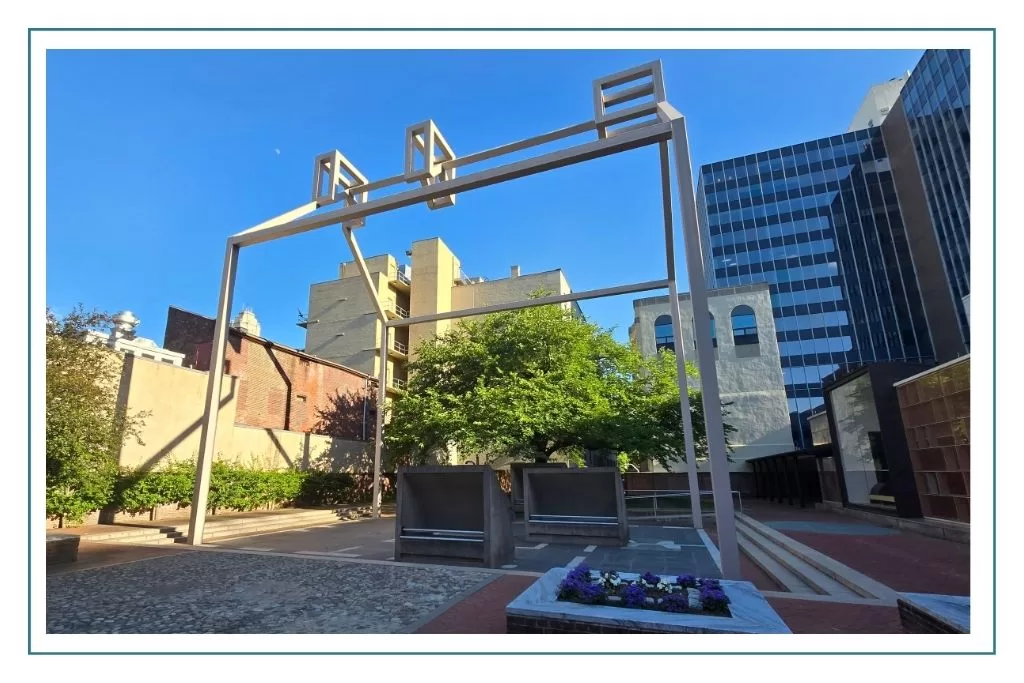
point(860, 584)
point(816, 580)
point(218, 529)
point(773, 568)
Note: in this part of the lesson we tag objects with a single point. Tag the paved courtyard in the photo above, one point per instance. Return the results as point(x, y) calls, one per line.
point(341, 578)
point(663, 550)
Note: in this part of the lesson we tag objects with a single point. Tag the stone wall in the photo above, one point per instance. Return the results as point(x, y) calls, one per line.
point(749, 376)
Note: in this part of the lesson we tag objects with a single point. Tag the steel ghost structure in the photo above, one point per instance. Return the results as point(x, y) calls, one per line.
point(630, 111)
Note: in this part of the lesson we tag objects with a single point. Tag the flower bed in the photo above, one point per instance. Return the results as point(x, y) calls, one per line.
point(684, 594)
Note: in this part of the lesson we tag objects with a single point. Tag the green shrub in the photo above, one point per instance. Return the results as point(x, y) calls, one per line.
point(328, 488)
point(137, 491)
point(237, 487)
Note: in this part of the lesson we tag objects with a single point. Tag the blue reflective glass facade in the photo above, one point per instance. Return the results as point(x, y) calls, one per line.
point(937, 102)
point(820, 222)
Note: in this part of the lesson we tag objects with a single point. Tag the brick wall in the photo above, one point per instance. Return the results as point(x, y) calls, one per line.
point(184, 330)
point(283, 389)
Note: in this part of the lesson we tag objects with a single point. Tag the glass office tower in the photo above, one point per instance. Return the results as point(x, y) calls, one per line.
point(937, 105)
point(820, 222)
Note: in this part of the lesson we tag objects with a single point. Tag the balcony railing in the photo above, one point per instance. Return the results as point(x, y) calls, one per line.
point(402, 277)
point(400, 347)
point(390, 305)
point(398, 383)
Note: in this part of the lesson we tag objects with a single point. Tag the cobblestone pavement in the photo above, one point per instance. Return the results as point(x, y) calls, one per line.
point(221, 592)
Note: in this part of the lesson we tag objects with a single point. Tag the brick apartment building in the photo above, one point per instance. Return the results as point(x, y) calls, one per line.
point(279, 387)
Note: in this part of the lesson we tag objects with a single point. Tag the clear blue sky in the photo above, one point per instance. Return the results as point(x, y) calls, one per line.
point(155, 157)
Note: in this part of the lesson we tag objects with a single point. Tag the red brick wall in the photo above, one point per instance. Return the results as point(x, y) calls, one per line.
point(278, 389)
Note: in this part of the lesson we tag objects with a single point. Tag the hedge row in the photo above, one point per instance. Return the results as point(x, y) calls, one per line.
point(234, 487)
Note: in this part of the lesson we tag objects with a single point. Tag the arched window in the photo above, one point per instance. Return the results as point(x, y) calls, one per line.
point(663, 337)
point(744, 326)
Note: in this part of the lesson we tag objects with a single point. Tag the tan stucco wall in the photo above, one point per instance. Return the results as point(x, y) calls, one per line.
point(175, 396)
point(278, 449)
point(434, 271)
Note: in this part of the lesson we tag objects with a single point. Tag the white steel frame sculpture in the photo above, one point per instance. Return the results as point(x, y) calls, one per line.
point(430, 162)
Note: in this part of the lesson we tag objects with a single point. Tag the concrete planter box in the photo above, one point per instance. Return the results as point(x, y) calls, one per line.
point(580, 505)
point(452, 513)
point(61, 548)
point(926, 613)
point(538, 610)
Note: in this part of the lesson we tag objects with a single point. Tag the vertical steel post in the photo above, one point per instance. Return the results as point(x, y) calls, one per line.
point(208, 435)
point(677, 337)
point(725, 520)
point(382, 380)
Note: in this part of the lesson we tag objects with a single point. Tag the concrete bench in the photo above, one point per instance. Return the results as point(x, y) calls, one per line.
point(516, 475)
point(577, 505)
point(452, 513)
point(61, 548)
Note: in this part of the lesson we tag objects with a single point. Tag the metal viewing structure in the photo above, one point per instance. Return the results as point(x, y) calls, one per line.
point(630, 111)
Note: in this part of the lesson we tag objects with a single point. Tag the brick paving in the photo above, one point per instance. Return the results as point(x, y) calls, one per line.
point(809, 616)
point(902, 560)
point(483, 611)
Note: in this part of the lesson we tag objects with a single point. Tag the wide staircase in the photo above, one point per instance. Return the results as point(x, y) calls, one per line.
point(803, 571)
point(224, 529)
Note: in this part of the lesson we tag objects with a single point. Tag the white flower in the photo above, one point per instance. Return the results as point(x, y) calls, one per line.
point(664, 586)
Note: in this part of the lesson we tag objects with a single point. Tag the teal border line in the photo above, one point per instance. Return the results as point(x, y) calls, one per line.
point(802, 29)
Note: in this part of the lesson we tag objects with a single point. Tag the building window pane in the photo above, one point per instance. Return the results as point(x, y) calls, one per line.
point(744, 326)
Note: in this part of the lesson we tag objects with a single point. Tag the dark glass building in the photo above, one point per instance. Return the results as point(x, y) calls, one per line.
point(928, 136)
point(820, 222)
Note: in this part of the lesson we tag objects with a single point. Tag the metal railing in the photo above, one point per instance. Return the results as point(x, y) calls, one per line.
point(650, 504)
point(392, 305)
point(400, 347)
point(402, 277)
point(398, 383)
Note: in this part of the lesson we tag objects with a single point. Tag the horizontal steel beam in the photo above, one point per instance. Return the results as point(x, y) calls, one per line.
point(520, 145)
point(531, 303)
point(647, 135)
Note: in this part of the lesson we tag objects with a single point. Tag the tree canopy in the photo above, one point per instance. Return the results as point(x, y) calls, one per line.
point(84, 427)
point(531, 383)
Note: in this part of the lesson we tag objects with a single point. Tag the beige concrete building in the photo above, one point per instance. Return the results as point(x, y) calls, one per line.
point(342, 324)
point(879, 99)
point(122, 337)
point(747, 359)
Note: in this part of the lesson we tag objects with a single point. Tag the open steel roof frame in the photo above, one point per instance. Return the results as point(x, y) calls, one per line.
point(630, 111)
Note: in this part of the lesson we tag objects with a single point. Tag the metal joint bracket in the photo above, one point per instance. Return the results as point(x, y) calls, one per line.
point(427, 157)
point(645, 86)
point(332, 170)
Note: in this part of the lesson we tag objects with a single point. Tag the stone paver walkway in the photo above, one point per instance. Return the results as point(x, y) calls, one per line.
point(225, 592)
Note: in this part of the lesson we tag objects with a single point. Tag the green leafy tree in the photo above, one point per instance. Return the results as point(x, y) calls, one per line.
point(84, 426)
point(531, 383)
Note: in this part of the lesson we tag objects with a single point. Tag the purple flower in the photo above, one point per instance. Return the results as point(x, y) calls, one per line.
point(580, 572)
point(676, 602)
point(687, 581)
point(634, 596)
point(592, 593)
point(569, 588)
point(710, 583)
point(650, 578)
point(713, 599)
